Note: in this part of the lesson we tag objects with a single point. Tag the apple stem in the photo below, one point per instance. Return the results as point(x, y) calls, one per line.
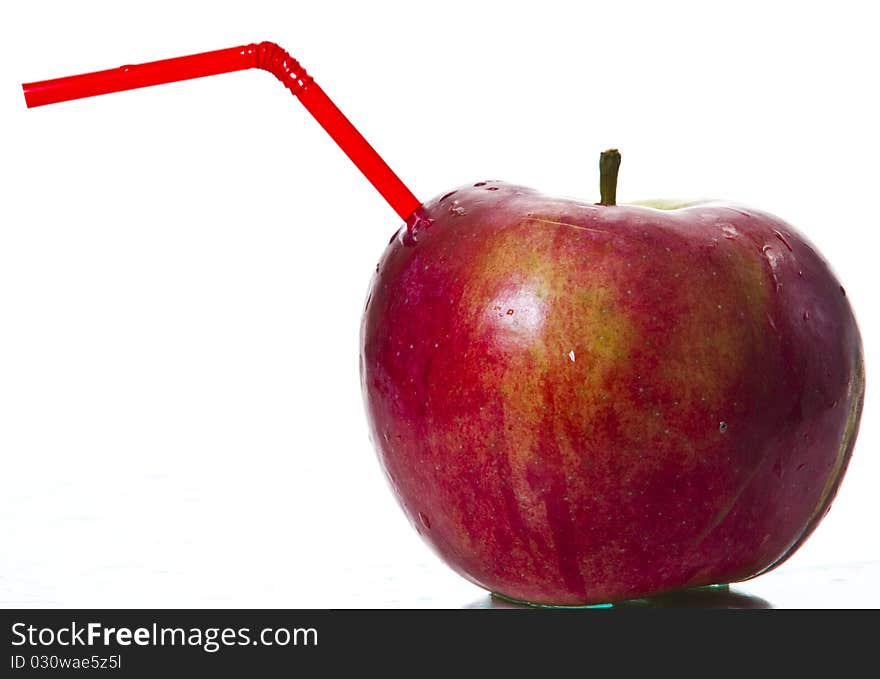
point(609, 164)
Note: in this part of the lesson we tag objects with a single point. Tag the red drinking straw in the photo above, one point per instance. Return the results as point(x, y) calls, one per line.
point(265, 55)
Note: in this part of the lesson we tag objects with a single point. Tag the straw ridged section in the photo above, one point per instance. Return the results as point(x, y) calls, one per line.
point(275, 59)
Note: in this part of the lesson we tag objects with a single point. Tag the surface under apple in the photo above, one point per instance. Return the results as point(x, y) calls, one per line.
point(581, 403)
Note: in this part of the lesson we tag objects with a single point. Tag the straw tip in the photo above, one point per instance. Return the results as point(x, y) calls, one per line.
point(28, 100)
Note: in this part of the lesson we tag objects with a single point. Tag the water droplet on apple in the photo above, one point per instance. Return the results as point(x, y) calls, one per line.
point(729, 231)
point(417, 223)
point(510, 312)
point(774, 259)
point(480, 184)
point(722, 427)
point(843, 291)
point(457, 210)
point(806, 315)
point(492, 188)
point(784, 242)
point(571, 355)
point(741, 212)
point(425, 521)
point(445, 196)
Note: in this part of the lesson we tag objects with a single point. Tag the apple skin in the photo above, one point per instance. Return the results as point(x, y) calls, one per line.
point(579, 403)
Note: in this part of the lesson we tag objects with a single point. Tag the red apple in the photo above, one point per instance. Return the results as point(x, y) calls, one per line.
point(579, 403)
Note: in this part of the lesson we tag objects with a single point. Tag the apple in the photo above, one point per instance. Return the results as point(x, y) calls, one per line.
point(579, 403)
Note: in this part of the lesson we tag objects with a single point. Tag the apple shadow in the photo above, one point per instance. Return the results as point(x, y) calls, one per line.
point(702, 597)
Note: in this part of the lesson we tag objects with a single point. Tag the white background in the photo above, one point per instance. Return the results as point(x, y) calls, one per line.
point(183, 268)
